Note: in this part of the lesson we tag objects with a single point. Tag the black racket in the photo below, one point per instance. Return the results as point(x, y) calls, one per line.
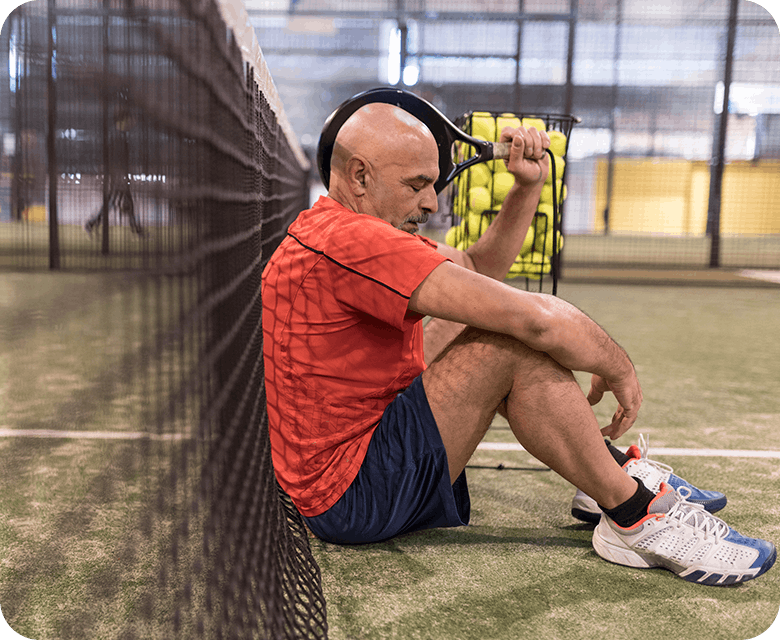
point(445, 132)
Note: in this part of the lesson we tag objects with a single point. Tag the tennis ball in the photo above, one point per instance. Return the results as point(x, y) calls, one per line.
point(452, 236)
point(506, 120)
point(478, 224)
point(560, 163)
point(543, 242)
point(502, 183)
point(528, 243)
point(479, 199)
point(516, 270)
point(536, 123)
point(545, 209)
point(557, 143)
point(547, 193)
point(479, 175)
point(473, 224)
point(483, 125)
point(459, 204)
point(537, 264)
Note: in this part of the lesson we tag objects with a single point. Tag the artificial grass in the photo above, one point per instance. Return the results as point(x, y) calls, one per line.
point(524, 568)
point(77, 561)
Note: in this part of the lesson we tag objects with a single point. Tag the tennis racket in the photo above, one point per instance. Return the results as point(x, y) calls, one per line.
point(445, 132)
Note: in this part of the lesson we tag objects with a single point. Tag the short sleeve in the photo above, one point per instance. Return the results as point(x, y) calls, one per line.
point(378, 272)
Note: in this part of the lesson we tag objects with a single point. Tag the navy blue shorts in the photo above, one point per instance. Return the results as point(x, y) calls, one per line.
point(404, 482)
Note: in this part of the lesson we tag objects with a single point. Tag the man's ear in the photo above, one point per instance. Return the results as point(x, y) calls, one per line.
point(356, 171)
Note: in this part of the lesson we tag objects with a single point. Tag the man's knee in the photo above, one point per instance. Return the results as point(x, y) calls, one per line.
point(517, 359)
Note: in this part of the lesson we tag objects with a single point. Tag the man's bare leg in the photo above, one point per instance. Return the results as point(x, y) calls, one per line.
point(546, 409)
point(437, 335)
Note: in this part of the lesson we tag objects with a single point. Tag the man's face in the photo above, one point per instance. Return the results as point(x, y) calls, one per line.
point(402, 191)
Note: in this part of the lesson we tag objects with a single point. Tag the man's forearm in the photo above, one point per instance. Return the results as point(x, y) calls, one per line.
point(543, 322)
point(577, 342)
point(495, 252)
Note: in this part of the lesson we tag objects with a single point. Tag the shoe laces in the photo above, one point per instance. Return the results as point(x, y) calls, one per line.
point(694, 515)
point(644, 447)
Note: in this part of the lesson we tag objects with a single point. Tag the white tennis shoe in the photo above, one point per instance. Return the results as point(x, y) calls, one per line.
point(652, 474)
point(684, 538)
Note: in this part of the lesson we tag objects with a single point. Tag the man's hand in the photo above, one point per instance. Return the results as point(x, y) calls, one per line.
point(629, 396)
point(528, 161)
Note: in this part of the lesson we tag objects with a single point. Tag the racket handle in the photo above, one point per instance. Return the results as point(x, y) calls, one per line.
point(501, 150)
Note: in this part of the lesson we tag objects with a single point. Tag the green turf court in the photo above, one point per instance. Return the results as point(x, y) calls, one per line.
point(79, 558)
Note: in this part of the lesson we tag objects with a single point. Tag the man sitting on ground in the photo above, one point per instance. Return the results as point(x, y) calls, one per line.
point(372, 423)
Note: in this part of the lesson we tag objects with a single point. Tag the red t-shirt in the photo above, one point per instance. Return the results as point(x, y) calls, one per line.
point(339, 343)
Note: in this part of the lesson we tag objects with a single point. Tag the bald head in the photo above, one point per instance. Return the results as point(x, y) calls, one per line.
point(385, 163)
point(380, 133)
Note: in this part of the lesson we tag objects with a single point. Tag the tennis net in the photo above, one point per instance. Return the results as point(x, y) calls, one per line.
point(151, 171)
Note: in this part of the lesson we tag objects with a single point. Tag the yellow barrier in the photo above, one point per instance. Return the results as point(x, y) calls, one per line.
point(671, 197)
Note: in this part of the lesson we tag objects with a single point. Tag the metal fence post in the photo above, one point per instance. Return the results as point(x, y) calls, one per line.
point(718, 159)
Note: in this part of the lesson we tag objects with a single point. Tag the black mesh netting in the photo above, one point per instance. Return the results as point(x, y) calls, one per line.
point(148, 177)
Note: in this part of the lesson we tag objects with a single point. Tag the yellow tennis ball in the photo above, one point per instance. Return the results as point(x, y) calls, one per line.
point(547, 193)
point(545, 209)
point(506, 120)
point(543, 242)
point(545, 197)
point(519, 268)
point(516, 270)
point(479, 199)
point(537, 264)
point(543, 238)
point(560, 163)
point(536, 123)
point(478, 224)
point(474, 225)
point(483, 125)
point(502, 183)
point(542, 227)
point(460, 205)
point(452, 236)
point(480, 175)
point(557, 142)
point(528, 243)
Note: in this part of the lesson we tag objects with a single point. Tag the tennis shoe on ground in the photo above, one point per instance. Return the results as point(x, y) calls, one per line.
point(652, 474)
point(684, 538)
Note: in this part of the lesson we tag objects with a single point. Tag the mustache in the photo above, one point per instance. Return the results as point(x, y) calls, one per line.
point(417, 219)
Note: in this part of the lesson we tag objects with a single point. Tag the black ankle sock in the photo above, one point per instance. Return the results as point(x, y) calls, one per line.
point(621, 457)
point(633, 509)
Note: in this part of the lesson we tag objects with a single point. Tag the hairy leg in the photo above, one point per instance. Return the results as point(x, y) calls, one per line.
point(549, 415)
point(437, 335)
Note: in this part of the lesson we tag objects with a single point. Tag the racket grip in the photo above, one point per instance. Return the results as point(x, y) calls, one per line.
point(501, 150)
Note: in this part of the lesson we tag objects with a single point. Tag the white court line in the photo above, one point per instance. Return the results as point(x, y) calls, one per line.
point(90, 435)
point(657, 451)
point(759, 274)
point(484, 446)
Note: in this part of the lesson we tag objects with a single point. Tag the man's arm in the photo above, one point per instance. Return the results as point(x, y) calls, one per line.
point(543, 322)
point(495, 251)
